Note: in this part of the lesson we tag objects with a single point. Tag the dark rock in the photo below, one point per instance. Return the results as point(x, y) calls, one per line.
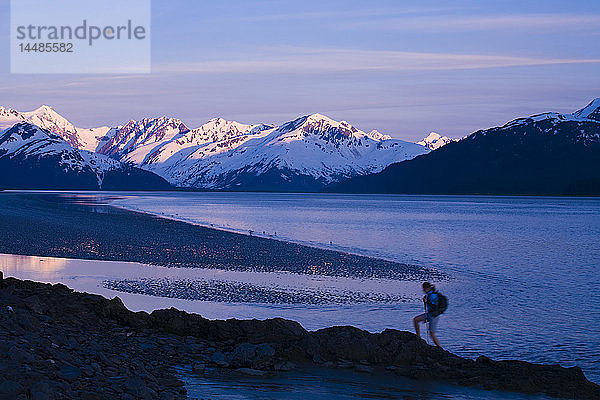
point(69, 372)
point(251, 371)
point(220, 359)
point(198, 368)
point(170, 382)
point(167, 396)
point(247, 355)
point(100, 327)
point(33, 303)
point(150, 394)
point(40, 391)
point(96, 367)
point(364, 368)
point(284, 366)
point(345, 364)
point(135, 386)
point(484, 360)
point(21, 355)
point(11, 388)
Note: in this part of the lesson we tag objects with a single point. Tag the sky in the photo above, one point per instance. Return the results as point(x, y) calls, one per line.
point(404, 68)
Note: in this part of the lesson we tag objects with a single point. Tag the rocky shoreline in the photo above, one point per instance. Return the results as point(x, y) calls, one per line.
point(56, 343)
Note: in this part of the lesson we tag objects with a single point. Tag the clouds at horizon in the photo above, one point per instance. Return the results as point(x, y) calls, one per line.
point(403, 69)
point(308, 61)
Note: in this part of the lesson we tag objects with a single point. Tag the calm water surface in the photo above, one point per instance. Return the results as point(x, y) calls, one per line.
point(525, 270)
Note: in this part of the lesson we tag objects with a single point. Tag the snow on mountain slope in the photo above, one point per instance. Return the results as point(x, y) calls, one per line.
point(36, 154)
point(591, 111)
point(45, 117)
point(9, 117)
point(136, 139)
point(313, 146)
point(544, 154)
point(30, 142)
point(435, 141)
point(228, 134)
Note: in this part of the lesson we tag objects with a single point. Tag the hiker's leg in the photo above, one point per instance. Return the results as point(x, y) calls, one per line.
point(416, 321)
point(435, 339)
point(433, 325)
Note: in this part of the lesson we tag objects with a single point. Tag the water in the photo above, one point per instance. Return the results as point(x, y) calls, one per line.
point(302, 383)
point(316, 384)
point(526, 270)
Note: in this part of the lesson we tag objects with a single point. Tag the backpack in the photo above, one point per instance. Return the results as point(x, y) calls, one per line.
point(441, 306)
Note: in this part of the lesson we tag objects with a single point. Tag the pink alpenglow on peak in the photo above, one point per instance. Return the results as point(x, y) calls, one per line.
point(435, 141)
point(307, 152)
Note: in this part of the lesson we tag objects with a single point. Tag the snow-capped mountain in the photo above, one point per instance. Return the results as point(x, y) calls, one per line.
point(435, 141)
point(136, 139)
point(34, 157)
point(155, 140)
point(303, 154)
point(591, 111)
point(45, 117)
point(549, 153)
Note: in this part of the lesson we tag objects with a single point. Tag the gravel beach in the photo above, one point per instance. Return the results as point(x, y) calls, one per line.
point(66, 226)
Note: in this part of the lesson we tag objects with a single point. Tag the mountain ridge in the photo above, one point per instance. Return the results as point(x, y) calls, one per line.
point(314, 151)
point(36, 158)
point(543, 154)
point(221, 154)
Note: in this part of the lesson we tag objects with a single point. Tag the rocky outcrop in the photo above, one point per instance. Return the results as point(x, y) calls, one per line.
point(71, 339)
point(54, 345)
point(402, 352)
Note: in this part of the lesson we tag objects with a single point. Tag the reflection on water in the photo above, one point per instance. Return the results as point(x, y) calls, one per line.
point(379, 303)
point(317, 384)
point(33, 268)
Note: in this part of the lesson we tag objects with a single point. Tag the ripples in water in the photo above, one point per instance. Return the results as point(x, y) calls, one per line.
point(240, 292)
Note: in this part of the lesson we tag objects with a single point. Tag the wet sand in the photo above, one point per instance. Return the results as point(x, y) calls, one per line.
point(60, 225)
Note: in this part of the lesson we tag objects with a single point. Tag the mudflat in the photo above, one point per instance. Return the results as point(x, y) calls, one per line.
point(59, 225)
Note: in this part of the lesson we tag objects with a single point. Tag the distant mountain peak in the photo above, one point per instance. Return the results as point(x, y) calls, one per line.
point(34, 157)
point(322, 125)
point(434, 141)
point(308, 151)
point(376, 135)
point(25, 131)
point(322, 118)
point(44, 108)
point(154, 122)
point(9, 114)
point(591, 111)
point(218, 120)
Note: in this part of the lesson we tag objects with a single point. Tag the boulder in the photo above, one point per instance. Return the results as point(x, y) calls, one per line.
point(69, 372)
point(10, 388)
point(247, 355)
point(219, 359)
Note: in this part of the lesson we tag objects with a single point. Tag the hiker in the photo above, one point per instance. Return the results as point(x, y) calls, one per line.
point(435, 304)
